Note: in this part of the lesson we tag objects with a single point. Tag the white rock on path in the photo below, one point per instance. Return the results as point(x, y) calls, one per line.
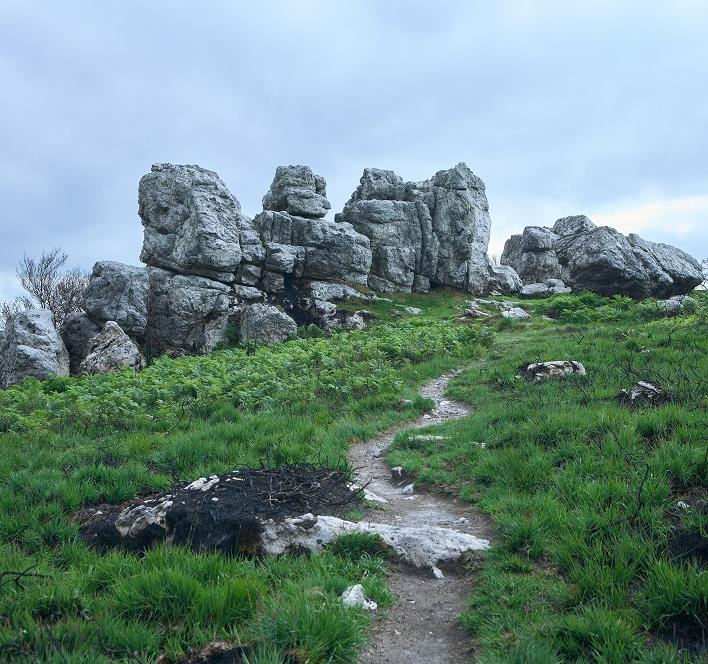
point(354, 597)
point(420, 547)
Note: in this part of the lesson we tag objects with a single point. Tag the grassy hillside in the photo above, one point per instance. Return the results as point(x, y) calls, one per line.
point(595, 561)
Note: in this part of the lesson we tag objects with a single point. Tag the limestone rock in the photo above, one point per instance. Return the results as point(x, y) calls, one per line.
point(186, 313)
point(434, 232)
point(314, 248)
point(111, 350)
point(76, 332)
point(297, 191)
point(265, 324)
point(118, 292)
point(642, 394)
point(675, 305)
point(553, 369)
point(354, 597)
point(31, 346)
point(549, 287)
point(515, 313)
point(193, 224)
point(600, 260)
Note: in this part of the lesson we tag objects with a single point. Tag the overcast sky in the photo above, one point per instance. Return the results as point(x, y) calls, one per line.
point(561, 107)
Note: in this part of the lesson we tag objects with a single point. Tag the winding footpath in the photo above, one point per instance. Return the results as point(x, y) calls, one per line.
point(423, 625)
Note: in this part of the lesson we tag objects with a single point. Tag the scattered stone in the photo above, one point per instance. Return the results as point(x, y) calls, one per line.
point(408, 489)
point(437, 573)
point(642, 394)
point(398, 474)
point(425, 438)
point(265, 323)
point(549, 287)
point(354, 597)
point(420, 547)
point(515, 313)
point(111, 350)
point(367, 494)
point(677, 304)
point(554, 369)
point(414, 311)
point(31, 346)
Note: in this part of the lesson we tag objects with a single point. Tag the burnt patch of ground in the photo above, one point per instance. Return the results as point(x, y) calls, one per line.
point(218, 513)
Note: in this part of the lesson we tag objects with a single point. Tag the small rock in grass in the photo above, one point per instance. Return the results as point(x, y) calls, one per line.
point(516, 313)
point(414, 311)
point(642, 394)
point(398, 473)
point(408, 489)
point(553, 369)
point(354, 597)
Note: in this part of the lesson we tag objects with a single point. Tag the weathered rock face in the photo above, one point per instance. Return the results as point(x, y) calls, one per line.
point(118, 292)
point(31, 346)
point(111, 350)
point(297, 191)
point(265, 324)
point(434, 232)
point(76, 332)
point(186, 313)
point(600, 259)
point(193, 224)
point(298, 247)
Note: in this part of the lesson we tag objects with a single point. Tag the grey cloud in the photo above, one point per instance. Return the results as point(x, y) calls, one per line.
point(556, 107)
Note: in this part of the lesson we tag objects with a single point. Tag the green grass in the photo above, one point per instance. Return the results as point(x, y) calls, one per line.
point(67, 443)
point(584, 492)
point(587, 563)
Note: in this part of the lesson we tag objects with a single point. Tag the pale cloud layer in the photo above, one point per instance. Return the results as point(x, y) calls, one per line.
point(562, 108)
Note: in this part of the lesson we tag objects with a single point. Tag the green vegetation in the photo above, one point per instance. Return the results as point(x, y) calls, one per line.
point(601, 510)
point(68, 443)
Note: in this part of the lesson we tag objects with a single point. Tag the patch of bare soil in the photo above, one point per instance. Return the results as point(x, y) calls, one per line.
point(423, 625)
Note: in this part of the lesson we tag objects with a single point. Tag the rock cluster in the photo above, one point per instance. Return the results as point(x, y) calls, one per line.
point(430, 233)
point(31, 346)
point(600, 259)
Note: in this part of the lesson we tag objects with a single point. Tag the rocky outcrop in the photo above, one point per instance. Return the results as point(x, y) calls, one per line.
point(111, 350)
point(266, 324)
point(118, 292)
point(600, 259)
point(31, 346)
point(423, 234)
point(193, 225)
point(186, 313)
point(76, 332)
point(297, 191)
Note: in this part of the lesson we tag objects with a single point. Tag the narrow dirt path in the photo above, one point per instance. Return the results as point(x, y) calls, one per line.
point(422, 626)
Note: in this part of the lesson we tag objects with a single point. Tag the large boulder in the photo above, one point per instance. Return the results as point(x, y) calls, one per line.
point(266, 324)
point(111, 350)
point(186, 313)
point(31, 346)
point(600, 259)
point(118, 292)
point(76, 332)
point(312, 248)
point(297, 191)
point(434, 232)
point(193, 224)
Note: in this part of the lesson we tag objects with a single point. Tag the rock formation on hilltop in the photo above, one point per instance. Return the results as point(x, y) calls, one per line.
point(430, 233)
point(600, 259)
